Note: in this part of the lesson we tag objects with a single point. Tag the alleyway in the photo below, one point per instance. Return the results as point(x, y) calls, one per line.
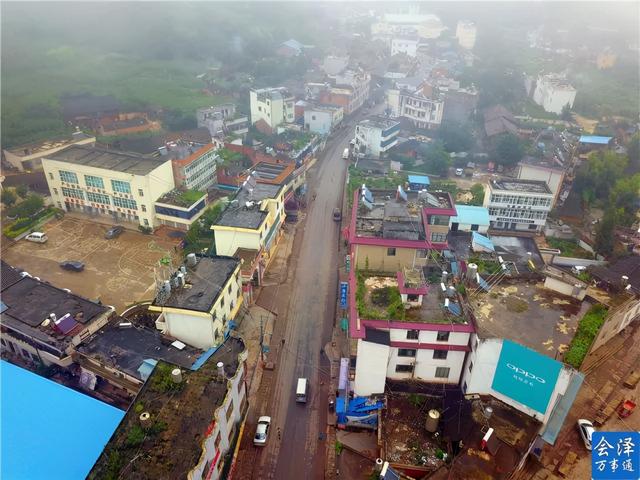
point(302, 293)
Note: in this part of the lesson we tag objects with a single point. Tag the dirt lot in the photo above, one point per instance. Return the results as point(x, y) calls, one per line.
point(118, 271)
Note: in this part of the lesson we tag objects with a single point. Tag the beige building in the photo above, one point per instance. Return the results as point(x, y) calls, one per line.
point(274, 106)
point(118, 186)
point(29, 157)
point(617, 320)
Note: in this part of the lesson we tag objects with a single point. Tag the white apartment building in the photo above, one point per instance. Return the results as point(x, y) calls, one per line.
point(374, 136)
point(466, 34)
point(98, 182)
point(422, 111)
point(521, 205)
point(322, 119)
point(274, 106)
point(408, 46)
point(194, 166)
point(553, 92)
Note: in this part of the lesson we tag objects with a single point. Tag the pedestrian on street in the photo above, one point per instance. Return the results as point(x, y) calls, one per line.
point(282, 341)
point(279, 433)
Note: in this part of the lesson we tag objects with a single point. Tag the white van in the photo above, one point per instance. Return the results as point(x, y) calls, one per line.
point(37, 237)
point(345, 154)
point(301, 391)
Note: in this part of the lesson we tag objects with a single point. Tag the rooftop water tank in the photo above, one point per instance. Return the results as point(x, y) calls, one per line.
point(433, 418)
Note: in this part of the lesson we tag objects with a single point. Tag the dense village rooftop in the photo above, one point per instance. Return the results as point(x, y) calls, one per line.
point(276, 93)
point(107, 159)
point(27, 305)
point(244, 211)
point(204, 283)
point(46, 145)
point(530, 186)
point(379, 122)
point(179, 414)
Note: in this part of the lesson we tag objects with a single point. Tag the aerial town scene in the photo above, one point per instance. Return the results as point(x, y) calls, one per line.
point(320, 240)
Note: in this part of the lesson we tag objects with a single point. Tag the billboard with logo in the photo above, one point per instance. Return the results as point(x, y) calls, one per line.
point(526, 376)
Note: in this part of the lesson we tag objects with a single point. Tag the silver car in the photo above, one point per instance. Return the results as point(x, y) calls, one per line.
point(586, 432)
point(262, 431)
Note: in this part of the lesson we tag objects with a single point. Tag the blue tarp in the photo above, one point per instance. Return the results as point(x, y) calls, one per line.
point(454, 268)
point(481, 243)
point(455, 309)
point(146, 367)
point(471, 215)
point(595, 139)
point(420, 181)
point(50, 431)
point(483, 284)
point(358, 411)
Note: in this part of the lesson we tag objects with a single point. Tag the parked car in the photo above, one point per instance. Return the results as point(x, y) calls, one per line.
point(114, 232)
point(586, 432)
point(262, 431)
point(72, 265)
point(459, 172)
point(37, 237)
point(337, 214)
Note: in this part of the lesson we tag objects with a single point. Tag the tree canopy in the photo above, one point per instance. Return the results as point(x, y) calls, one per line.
point(456, 137)
point(509, 149)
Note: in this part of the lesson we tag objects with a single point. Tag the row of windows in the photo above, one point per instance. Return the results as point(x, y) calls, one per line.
point(127, 203)
point(98, 198)
point(441, 372)
point(438, 237)
point(72, 193)
point(411, 352)
point(520, 200)
point(440, 336)
point(511, 213)
point(68, 177)
point(96, 182)
point(120, 186)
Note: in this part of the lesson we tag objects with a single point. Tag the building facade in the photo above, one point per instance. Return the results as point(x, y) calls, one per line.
point(466, 34)
point(118, 186)
point(274, 106)
point(406, 46)
point(519, 205)
point(322, 119)
point(422, 111)
point(375, 136)
point(553, 93)
point(357, 86)
point(194, 166)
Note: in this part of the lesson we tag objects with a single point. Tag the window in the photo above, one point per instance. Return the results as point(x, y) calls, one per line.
point(143, 207)
point(422, 253)
point(221, 302)
point(229, 290)
point(406, 352)
point(442, 372)
point(438, 237)
point(98, 198)
point(55, 191)
point(73, 193)
point(440, 354)
point(470, 366)
point(404, 368)
point(140, 192)
point(51, 175)
point(125, 203)
point(120, 186)
point(92, 181)
point(68, 177)
point(412, 334)
point(146, 222)
point(229, 411)
point(391, 252)
point(443, 337)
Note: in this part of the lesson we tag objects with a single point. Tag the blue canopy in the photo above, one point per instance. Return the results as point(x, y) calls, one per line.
point(595, 139)
point(481, 243)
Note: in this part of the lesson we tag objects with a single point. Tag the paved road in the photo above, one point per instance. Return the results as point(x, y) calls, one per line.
point(303, 294)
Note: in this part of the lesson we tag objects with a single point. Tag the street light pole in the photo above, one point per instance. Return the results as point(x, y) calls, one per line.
point(261, 340)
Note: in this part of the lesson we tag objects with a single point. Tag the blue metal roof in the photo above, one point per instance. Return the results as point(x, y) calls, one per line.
point(419, 179)
point(471, 215)
point(482, 241)
point(595, 139)
point(49, 430)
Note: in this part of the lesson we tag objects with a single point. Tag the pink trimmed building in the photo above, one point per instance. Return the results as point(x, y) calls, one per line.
point(424, 335)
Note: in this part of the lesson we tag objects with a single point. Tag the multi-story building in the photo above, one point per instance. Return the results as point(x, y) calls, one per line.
point(187, 423)
point(391, 229)
point(553, 92)
point(351, 90)
point(466, 34)
point(29, 157)
point(425, 26)
point(194, 165)
point(404, 45)
point(272, 107)
point(116, 185)
point(520, 205)
point(199, 302)
point(180, 208)
point(423, 106)
point(376, 135)
point(222, 120)
point(322, 119)
point(42, 324)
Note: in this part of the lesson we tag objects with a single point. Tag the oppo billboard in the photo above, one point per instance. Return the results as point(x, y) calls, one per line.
point(526, 376)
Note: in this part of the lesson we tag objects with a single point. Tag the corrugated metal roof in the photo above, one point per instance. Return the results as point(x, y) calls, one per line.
point(595, 139)
point(482, 241)
point(471, 215)
point(419, 179)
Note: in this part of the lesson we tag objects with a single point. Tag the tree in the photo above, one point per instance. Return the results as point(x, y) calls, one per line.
point(28, 207)
point(8, 197)
point(455, 137)
point(633, 153)
point(509, 149)
point(436, 160)
point(599, 174)
point(566, 114)
point(605, 233)
point(22, 190)
point(624, 197)
point(477, 190)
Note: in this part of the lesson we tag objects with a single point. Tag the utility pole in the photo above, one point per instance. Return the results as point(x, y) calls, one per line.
point(261, 340)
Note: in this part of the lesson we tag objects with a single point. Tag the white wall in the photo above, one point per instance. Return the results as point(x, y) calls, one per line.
point(371, 368)
point(228, 241)
point(425, 366)
point(318, 121)
point(466, 227)
point(553, 178)
point(193, 330)
point(400, 45)
point(429, 336)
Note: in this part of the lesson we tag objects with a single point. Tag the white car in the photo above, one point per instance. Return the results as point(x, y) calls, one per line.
point(262, 431)
point(586, 432)
point(459, 172)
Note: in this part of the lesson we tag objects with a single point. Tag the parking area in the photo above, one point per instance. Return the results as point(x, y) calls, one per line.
point(118, 271)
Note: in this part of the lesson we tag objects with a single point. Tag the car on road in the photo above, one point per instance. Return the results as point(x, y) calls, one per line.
point(585, 427)
point(337, 214)
point(114, 232)
point(72, 265)
point(262, 431)
point(345, 154)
